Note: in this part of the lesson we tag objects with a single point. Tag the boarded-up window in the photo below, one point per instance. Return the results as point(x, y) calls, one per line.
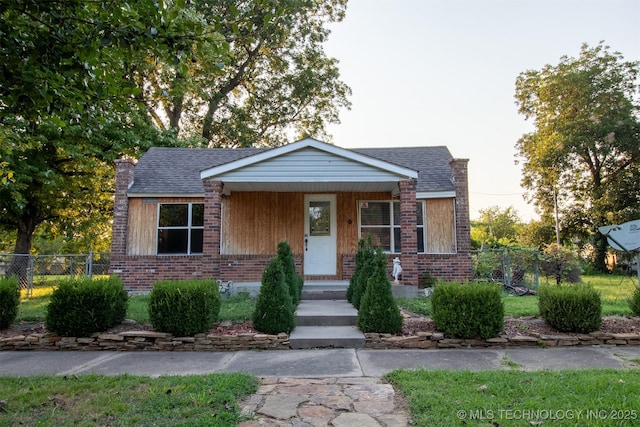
point(440, 230)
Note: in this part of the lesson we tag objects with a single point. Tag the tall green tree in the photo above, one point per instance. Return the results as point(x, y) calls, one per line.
point(583, 157)
point(496, 227)
point(69, 103)
point(83, 83)
point(275, 84)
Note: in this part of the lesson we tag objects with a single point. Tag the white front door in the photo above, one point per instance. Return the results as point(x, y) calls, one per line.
point(320, 234)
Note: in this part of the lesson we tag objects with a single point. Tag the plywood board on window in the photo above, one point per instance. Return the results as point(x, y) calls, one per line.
point(253, 223)
point(440, 215)
point(143, 221)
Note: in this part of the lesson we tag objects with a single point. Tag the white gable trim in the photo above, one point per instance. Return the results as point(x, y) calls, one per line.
point(304, 143)
point(435, 194)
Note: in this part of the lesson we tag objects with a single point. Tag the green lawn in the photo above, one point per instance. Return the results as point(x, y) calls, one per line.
point(236, 309)
point(614, 291)
point(90, 400)
point(514, 398)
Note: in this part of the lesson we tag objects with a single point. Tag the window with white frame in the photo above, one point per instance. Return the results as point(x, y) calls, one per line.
point(180, 228)
point(381, 220)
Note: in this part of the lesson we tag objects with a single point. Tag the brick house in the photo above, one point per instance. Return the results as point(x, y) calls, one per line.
point(182, 213)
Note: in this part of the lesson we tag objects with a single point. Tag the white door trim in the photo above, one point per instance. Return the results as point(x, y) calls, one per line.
point(320, 250)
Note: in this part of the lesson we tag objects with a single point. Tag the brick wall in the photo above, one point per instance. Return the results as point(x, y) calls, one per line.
point(138, 273)
point(124, 178)
point(462, 261)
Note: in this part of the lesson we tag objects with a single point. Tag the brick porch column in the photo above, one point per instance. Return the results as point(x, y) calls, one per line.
point(212, 228)
point(408, 235)
point(460, 175)
point(124, 178)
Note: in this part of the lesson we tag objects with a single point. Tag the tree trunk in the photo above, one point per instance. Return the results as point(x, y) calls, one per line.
point(600, 261)
point(20, 261)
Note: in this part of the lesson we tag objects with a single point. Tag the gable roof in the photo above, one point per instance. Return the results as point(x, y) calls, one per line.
point(179, 171)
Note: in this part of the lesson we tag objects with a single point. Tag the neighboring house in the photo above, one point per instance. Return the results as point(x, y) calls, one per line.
point(182, 213)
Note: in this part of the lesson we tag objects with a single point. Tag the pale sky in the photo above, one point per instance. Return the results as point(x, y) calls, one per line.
point(426, 72)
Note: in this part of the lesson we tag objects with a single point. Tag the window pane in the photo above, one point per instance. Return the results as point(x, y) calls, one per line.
point(420, 216)
point(420, 239)
point(397, 239)
point(374, 213)
point(396, 213)
point(380, 237)
point(197, 214)
point(172, 241)
point(319, 218)
point(196, 241)
point(174, 215)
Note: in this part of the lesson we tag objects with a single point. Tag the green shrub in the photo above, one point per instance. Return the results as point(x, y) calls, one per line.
point(184, 307)
point(571, 308)
point(78, 308)
point(274, 312)
point(293, 280)
point(378, 309)
point(468, 311)
point(363, 270)
point(9, 301)
point(634, 301)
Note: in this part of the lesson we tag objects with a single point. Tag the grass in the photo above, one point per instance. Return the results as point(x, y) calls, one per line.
point(615, 292)
point(605, 397)
point(207, 400)
point(33, 309)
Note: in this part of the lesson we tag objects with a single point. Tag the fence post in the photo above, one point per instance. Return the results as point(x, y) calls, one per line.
point(30, 271)
point(89, 269)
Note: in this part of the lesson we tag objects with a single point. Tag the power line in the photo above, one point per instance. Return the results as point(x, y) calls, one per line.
point(496, 194)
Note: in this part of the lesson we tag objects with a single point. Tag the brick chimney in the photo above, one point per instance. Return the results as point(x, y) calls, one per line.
point(124, 178)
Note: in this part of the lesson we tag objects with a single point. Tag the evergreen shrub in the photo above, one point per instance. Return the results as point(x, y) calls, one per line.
point(293, 280)
point(571, 307)
point(378, 309)
point(9, 301)
point(184, 307)
point(364, 267)
point(80, 307)
point(468, 310)
point(274, 311)
point(634, 301)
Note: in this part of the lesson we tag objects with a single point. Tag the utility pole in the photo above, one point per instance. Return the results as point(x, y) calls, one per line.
point(555, 211)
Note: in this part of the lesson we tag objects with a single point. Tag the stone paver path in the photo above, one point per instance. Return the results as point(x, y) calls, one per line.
point(314, 402)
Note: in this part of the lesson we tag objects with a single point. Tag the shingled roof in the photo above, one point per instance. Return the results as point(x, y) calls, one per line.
point(176, 171)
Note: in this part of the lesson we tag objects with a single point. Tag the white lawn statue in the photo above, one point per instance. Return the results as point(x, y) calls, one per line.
point(397, 271)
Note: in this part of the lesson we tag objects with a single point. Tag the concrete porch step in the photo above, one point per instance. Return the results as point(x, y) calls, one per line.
point(324, 290)
point(326, 313)
point(326, 324)
point(304, 337)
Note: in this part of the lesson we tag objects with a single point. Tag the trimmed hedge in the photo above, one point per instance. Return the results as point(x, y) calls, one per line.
point(379, 311)
point(468, 311)
point(571, 307)
point(9, 301)
point(80, 307)
point(634, 301)
point(184, 307)
point(274, 312)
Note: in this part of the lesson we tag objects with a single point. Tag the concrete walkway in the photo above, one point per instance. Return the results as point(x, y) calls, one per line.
point(339, 387)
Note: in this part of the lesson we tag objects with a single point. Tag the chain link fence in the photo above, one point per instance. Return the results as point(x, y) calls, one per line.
point(43, 270)
point(510, 266)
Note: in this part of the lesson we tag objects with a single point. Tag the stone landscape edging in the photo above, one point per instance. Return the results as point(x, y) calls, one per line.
point(160, 341)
